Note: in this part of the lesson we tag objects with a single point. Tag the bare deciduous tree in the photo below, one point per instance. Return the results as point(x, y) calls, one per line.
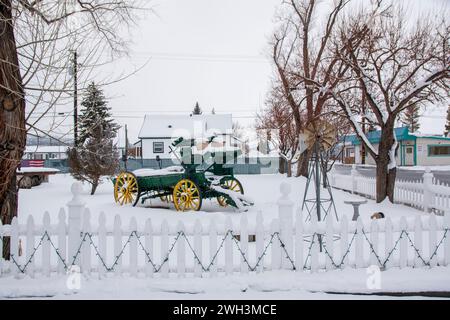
point(397, 65)
point(304, 49)
point(277, 119)
point(37, 41)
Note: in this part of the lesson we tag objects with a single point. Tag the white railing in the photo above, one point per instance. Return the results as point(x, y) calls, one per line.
point(427, 194)
point(159, 250)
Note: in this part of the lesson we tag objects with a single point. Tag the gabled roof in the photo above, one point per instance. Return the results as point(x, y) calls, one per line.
point(167, 126)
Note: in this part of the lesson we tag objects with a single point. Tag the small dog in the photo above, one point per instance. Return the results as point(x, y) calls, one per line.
point(377, 215)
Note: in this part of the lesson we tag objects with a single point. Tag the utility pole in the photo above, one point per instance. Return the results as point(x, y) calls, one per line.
point(75, 98)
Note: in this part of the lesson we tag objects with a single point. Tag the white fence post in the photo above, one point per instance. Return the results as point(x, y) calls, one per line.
point(62, 241)
point(76, 207)
point(427, 193)
point(285, 214)
point(354, 174)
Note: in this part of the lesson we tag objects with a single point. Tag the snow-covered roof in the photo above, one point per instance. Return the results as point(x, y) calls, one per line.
point(45, 149)
point(171, 126)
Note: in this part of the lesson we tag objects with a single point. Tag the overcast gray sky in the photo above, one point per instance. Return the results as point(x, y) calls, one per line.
point(210, 51)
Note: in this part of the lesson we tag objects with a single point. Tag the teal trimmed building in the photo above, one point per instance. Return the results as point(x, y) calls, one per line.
point(414, 149)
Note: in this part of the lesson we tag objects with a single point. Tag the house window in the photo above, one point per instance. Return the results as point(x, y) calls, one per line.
point(443, 150)
point(158, 147)
point(349, 152)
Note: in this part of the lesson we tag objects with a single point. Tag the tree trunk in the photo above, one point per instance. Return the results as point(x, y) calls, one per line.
point(289, 168)
point(94, 187)
point(282, 166)
point(12, 115)
point(302, 164)
point(9, 211)
point(385, 177)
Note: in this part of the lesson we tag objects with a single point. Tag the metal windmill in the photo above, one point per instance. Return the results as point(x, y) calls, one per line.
point(319, 137)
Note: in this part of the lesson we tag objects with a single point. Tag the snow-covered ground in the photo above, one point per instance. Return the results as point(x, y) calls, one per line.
point(274, 285)
point(264, 190)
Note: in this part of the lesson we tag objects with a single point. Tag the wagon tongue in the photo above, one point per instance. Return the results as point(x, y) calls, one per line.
point(241, 201)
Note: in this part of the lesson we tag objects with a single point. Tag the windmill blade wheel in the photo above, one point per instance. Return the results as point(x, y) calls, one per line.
point(322, 132)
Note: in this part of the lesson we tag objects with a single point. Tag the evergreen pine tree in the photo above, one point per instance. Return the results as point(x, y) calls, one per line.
point(94, 113)
point(197, 109)
point(447, 124)
point(410, 118)
point(95, 154)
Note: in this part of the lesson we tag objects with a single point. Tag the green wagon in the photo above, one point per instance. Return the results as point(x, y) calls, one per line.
point(201, 176)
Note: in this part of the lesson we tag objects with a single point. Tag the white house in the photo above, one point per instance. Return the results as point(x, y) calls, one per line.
point(414, 149)
point(159, 130)
point(45, 152)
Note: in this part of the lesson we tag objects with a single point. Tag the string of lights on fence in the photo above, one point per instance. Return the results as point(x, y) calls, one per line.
point(276, 235)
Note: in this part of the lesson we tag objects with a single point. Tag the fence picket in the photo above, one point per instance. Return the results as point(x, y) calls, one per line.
point(432, 240)
point(86, 247)
point(276, 249)
point(102, 245)
point(148, 246)
point(374, 242)
point(198, 248)
point(359, 242)
point(418, 241)
point(344, 241)
point(446, 240)
point(30, 245)
point(315, 244)
point(244, 243)
point(388, 243)
point(329, 243)
point(403, 244)
point(62, 243)
point(165, 249)
point(228, 248)
point(181, 251)
point(45, 246)
point(259, 241)
point(299, 242)
point(133, 248)
point(213, 248)
point(14, 244)
point(117, 234)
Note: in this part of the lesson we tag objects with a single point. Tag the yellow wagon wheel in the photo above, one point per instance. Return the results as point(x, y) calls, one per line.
point(186, 196)
point(126, 189)
point(229, 184)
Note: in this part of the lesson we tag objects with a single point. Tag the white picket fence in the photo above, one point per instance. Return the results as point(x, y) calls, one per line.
point(160, 250)
point(427, 194)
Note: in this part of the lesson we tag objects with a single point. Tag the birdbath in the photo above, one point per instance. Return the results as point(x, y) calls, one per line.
point(355, 204)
